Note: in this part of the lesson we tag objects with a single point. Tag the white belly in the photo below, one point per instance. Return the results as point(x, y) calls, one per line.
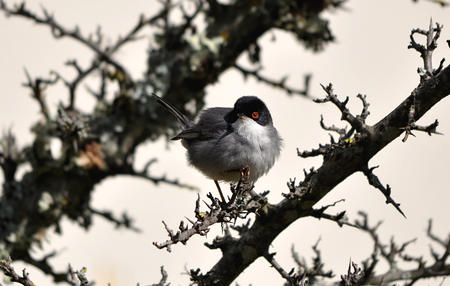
point(256, 147)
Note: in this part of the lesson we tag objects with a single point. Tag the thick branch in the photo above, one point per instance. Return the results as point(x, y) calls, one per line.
point(339, 166)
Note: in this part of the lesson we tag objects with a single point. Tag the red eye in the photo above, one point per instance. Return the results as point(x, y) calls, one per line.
point(255, 115)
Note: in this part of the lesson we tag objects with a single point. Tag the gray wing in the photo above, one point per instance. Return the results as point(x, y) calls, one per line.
point(211, 124)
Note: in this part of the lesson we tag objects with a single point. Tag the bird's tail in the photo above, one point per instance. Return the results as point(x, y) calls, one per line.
point(181, 118)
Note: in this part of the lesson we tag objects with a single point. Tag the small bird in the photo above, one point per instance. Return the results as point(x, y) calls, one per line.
point(226, 143)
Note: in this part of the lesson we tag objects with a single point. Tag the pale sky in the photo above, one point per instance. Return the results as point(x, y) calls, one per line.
point(370, 56)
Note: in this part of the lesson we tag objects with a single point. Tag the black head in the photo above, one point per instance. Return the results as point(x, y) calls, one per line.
point(253, 108)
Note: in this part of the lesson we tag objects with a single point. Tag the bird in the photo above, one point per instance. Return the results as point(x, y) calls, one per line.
point(227, 143)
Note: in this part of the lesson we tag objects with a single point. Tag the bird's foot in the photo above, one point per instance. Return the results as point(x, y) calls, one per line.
point(243, 180)
point(220, 192)
point(245, 173)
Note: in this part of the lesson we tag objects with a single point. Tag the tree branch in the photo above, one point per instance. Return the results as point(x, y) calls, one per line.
point(341, 163)
point(281, 84)
point(124, 221)
point(239, 206)
point(8, 270)
point(393, 253)
point(374, 181)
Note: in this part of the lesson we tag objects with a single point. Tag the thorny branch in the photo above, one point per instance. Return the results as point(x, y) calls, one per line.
point(357, 123)
point(340, 218)
point(426, 73)
point(85, 158)
point(342, 159)
point(182, 70)
point(345, 137)
point(430, 129)
point(8, 270)
point(125, 221)
point(182, 61)
point(80, 275)
point(94, 42)
point(316, 271)
point(38, 87)
point(164, 277)
point(72, 276)
point(374, 181)
point(426, 52)
point(94, 145)
point(44, 265)
point(59, 31)
point(393, 253)
point(355, 275)
point(442, 3)
point(10, 155)
point(305, 274)
point(341, 131)
point(161, 179)
point(291, 279)
point(241, 203)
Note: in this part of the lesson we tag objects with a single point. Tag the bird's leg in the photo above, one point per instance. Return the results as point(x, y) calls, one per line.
point(220, 191)
point(245, 173)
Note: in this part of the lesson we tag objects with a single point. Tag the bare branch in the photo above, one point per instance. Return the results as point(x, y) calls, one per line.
point(355, 275)
point(10, 155)
point(291, 279)
point(144, 174)
point(102, 54)
point(426, 73)
point(60, 31)
point(322, 150)
point(340, 218)
point(308, 273)
point(8, 270)
point(434, 237)
point(281, 84)
point(38, 87)
point(80, 275)
point(357, 123)
point(393, 253)
point(164, 277)
point(430, 129)
point(239, 206)
point(365, 111)
point(44, 265)
point(125, 221)
point(374, 181)
point(426, 52)
point(340, 131)
point(442, 3)
point(346, 138)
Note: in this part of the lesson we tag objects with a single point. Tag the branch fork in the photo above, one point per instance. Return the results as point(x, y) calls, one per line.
point(242, 202)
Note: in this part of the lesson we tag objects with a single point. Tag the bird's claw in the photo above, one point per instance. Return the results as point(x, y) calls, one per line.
point(245, 173)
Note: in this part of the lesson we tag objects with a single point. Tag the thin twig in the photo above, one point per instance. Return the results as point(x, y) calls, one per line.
point(386, 191)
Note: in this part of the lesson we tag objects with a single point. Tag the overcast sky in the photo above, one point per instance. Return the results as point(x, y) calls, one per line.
point(370, 56)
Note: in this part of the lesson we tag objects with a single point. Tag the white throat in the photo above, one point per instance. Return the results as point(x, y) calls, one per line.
point(252, 131)
point(261, 146)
